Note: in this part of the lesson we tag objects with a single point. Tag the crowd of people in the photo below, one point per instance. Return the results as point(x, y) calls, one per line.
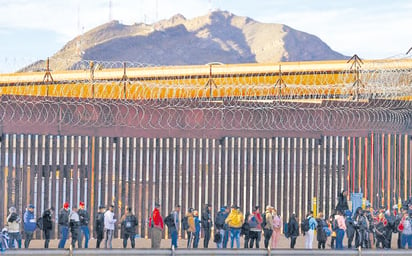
point(365, 228)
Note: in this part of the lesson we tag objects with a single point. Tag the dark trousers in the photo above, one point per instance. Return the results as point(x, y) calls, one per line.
point(28, 236)
point(350, 240)
point(321, 245)
point(206, 237)
point(254, 237)
point(99, 236)
point(190, 238)
point(332, 242)
point(46, 233)
point(268, 235)
point(127, 236)
point(246, 240)
point(75, 237)
point(293, 242)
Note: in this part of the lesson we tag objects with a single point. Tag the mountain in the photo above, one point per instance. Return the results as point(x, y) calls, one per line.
point(219, 36)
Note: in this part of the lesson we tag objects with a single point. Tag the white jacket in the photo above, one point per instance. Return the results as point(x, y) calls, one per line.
point(109, 220)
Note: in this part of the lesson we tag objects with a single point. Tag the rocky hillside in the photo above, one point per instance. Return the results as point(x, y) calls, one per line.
point(219, 36)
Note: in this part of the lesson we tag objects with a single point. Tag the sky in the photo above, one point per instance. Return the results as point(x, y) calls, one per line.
point(36, 29)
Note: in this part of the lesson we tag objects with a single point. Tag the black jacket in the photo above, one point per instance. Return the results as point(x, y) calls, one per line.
point(206, 219)
point(47, 220)
point(293, 227)
point(342, 203)
point(84, 217)
point(99, 222)
point(64, 217)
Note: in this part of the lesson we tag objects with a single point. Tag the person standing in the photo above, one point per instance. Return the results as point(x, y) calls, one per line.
point(109, 222)
point(74, 224)
point(84, 225)
point(277, 229)
point(245, 230)
point(220, 226)
point(99, 225)
point(29, 225)
point(197, 229)
point(64, 224)
point(350, 228)
point(311, 232)
point(174, 228)
point(13, 222)
point(342, 205)
point(405, 226)
point(255, 227)
point(47, 225)
point(268, 225)
point(156, 226)
point(340, 232)
point(129, 224)
point(293, 230)
point(206, 224)
point(321, 235)
point(235, 222)
point(191, 228)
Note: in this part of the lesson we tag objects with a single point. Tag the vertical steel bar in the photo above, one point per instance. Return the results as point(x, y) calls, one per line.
point(304, 191)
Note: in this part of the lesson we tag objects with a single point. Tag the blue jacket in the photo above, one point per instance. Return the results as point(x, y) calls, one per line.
point(29, 221)
point(312, 223)
point(197, 224)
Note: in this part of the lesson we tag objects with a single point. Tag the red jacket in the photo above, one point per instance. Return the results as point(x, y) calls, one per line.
point(259, 219)
point(156, 220)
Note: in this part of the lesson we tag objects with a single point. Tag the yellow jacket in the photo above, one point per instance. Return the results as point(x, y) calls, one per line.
point(191, 222)
point(235, 219)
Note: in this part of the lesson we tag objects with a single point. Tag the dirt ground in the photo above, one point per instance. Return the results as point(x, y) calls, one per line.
point(182, 243)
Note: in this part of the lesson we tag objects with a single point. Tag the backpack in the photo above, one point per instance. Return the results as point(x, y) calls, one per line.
point(286, 230)
point(328, 232)
point(39, 223)
point(169, 220)
point(129, 222)
point(220, 220)
point(217, 238)
point(263, 225)
point(253, 222)
point(244, 230)
point(185, 223)
point(305, 225)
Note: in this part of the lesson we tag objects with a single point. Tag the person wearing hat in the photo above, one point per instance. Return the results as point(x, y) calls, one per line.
point(109, 222)
point(64, 224)
point(156, 226)
point(235, 222)
point(13, 222)
point(99, 225)
point(206, 224)
point(221, 232)
point(84, 225)
point(29, 225)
